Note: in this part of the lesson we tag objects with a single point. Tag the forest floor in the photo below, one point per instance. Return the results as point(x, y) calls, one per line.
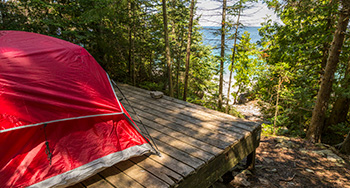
point(288, 162)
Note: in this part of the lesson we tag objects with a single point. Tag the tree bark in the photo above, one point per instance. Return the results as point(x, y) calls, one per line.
point(167, 49)
point(342, 104)
point(222, 54)
point(233, 57)
point(318, 114)
point(345, 148)
point(277, 101)
point(131, 47)
point(188, 49)
point(326, 45)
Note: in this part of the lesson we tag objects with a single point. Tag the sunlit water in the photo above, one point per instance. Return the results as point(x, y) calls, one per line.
point(212, 37)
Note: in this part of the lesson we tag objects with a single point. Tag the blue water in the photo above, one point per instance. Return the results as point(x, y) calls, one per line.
point(212, 37)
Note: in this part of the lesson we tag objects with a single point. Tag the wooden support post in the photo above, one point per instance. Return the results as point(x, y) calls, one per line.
point(250, 165)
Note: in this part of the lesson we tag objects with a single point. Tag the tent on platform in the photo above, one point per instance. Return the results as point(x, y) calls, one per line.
point(60, 118)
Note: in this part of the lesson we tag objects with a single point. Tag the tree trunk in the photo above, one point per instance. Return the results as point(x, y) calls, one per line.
point(188, 49)
point(131, 48)
point(342, 104)
point(318, 114)
point(167, 50)
point(277, 101)
point(345, 148)
point(222, 54)
point(233, 57)
point(326, 45)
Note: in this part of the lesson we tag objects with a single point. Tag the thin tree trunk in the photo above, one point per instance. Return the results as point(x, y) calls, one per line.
point(222, 54)
point(277, 101)
point(342, 104)
point(326, 45)
point(130, 41)
point(188, 49)
point(233, 57)
point(318, 114)
point(167, 49)
point(238, 89)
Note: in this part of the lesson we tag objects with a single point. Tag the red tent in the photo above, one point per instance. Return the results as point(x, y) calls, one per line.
point(60, 119)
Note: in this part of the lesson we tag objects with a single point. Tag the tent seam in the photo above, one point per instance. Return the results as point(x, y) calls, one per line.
point(57, 120)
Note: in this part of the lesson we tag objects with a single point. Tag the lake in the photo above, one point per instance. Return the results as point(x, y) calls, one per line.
point(212, 37)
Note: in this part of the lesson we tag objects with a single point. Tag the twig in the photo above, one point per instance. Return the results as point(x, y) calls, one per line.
point(288, 179)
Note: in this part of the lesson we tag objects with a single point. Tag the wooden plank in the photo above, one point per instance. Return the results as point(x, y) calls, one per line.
point(179, 154)
point(190, 149)
point(173, 164)
point(208, 174)
point(141, 175)
point(119, 179)
point(167, 175)
point(216, 139)
point(78, 185)
point(176, 153)
point(205, 122)
point(151, 113)
point(96, 181)
point(183, 146)
point(184, 137)
point(165, 116)
point(193, 107)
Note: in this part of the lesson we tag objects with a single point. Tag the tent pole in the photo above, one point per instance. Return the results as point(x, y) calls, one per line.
point(139, 119)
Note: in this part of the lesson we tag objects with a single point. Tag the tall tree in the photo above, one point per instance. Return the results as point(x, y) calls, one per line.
point(233, 55)
point(222, 54)
point(342, 104)
point(318, 115)
point(296, 47)
point(131, 30)
point(188, 49)
point(167, 49)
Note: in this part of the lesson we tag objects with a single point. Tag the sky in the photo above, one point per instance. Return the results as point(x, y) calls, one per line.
point(210, 12)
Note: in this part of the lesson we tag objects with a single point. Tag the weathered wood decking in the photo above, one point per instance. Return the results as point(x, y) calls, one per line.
point(198, 145)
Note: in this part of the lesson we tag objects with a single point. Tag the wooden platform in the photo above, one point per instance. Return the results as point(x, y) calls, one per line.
point(198, 145)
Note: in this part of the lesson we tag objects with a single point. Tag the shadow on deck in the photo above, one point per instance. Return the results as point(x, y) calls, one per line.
point(198, 145)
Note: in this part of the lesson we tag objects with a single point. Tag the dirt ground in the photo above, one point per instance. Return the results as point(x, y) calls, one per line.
point(290, 162)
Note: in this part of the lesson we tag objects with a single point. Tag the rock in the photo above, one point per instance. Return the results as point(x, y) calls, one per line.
point(304, 151)
point(242, 98)
point(240, 181)
point(264, 181)
point(156, 94)
point(323, 153)
point(285, 144)
point(291, 184)
point(267, 160)
point(335, 158)
point(330, 156)
point(274, 170)
point(279, 139)
point(320, 145)
point(247, 172)
point(309, 170)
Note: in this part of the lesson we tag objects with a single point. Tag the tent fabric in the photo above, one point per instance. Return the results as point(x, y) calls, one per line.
point(60, 119)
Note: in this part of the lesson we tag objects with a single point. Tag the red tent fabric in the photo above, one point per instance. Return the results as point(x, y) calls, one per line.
point(60, 119)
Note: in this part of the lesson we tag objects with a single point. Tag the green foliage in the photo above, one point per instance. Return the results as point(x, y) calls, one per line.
point(246, 66)
point(295, 54)
point(125, 37)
